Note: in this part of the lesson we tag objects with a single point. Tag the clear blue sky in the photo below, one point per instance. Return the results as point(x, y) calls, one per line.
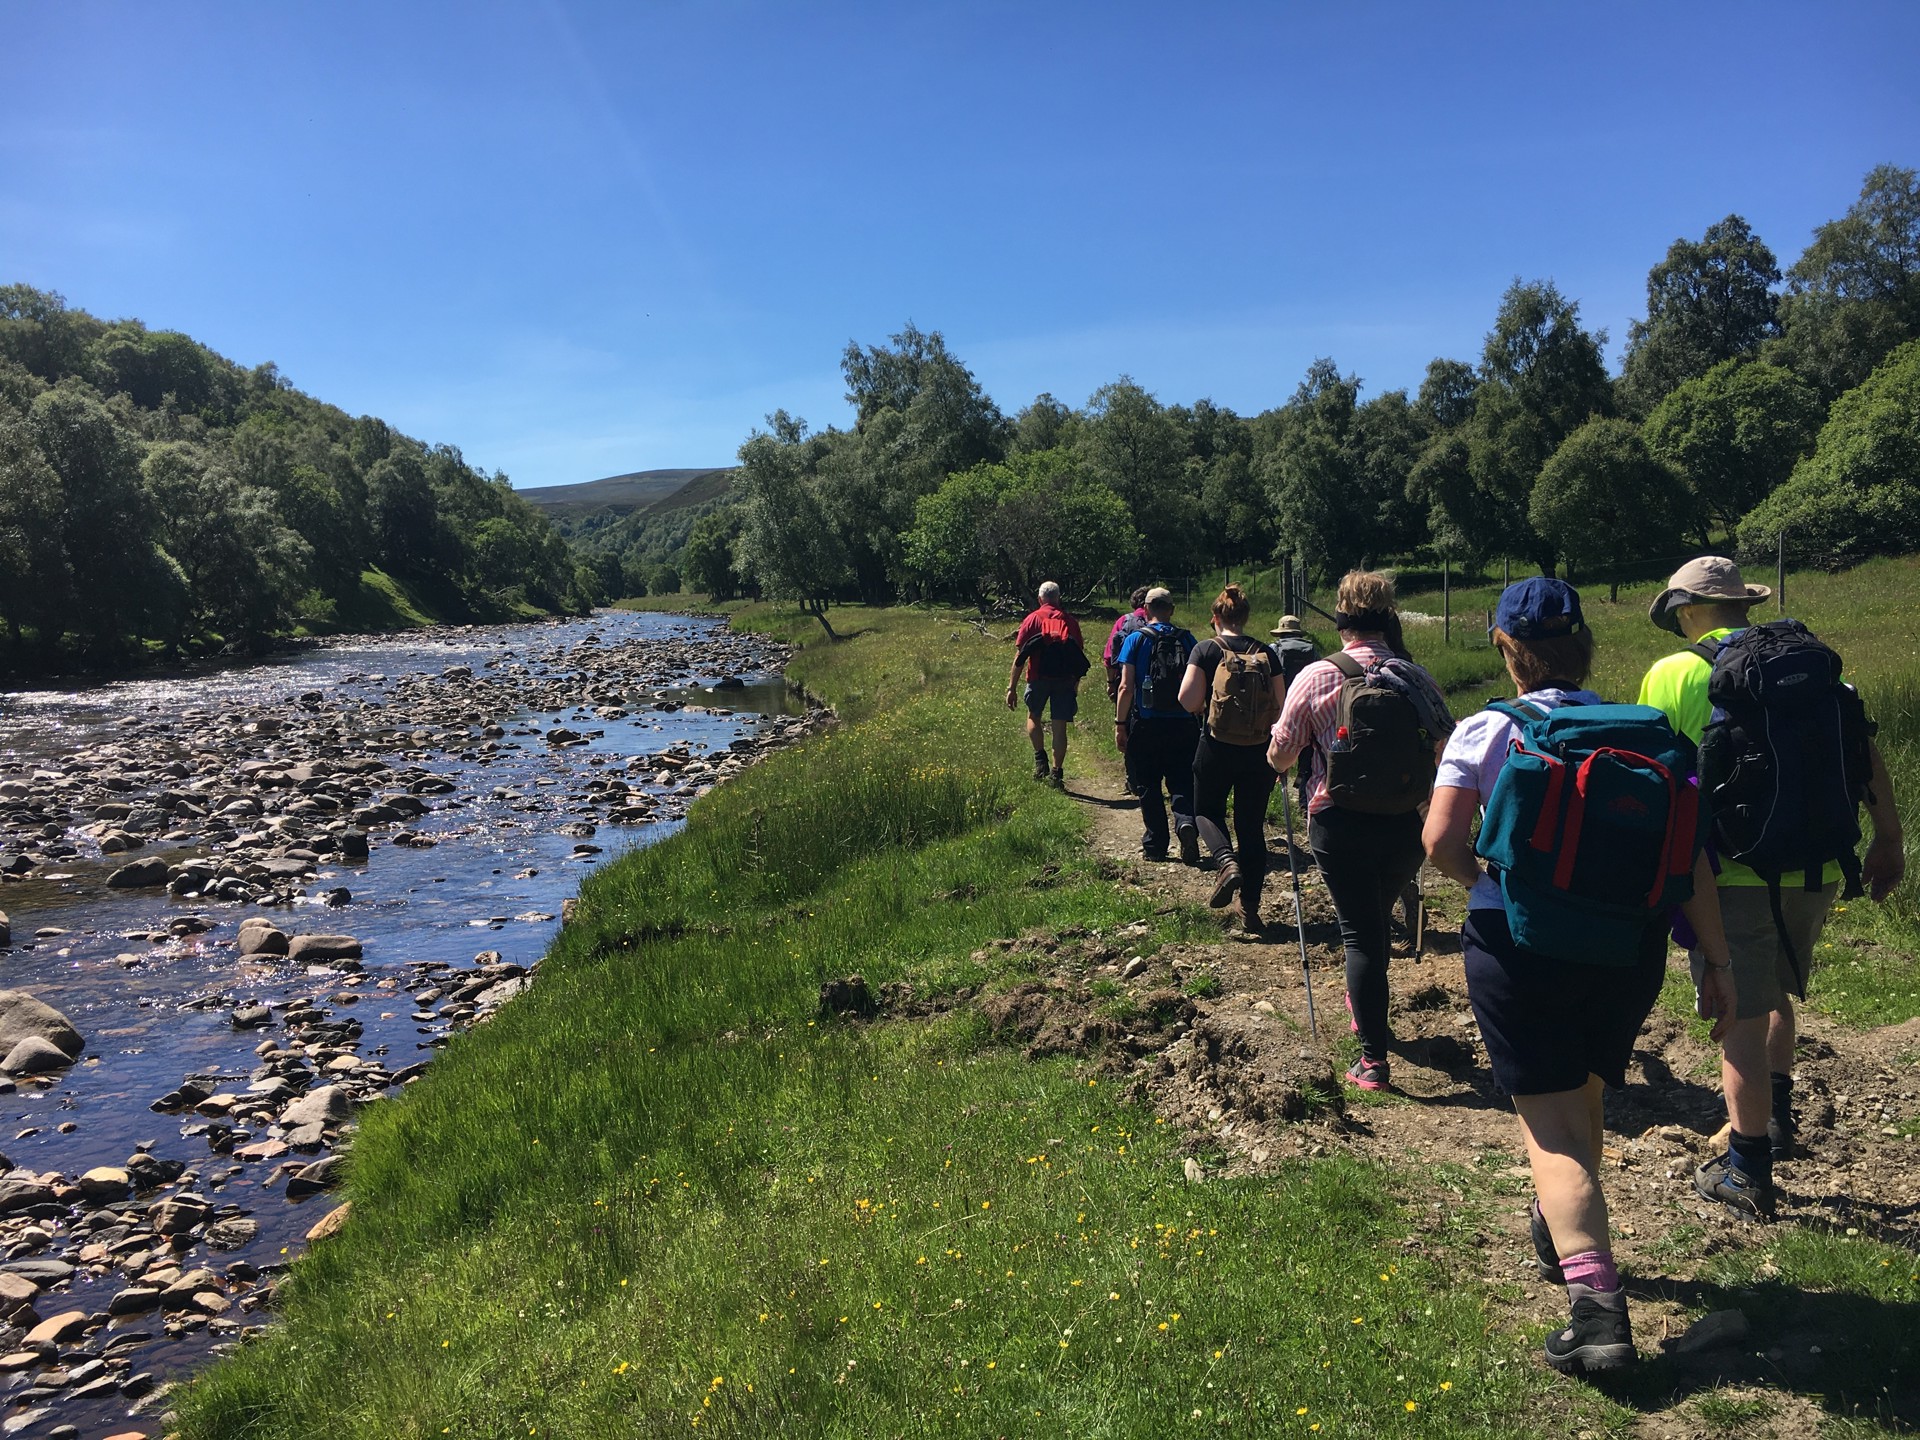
point(576, 239)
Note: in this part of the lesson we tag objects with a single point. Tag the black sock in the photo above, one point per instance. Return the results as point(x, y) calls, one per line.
point(1754, 1155)
point(1783, 1101)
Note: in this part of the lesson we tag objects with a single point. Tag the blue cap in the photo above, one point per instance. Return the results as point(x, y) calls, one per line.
point(1538, 609)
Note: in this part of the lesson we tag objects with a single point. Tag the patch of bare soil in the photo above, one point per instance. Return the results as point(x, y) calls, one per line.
point(1245, 1074)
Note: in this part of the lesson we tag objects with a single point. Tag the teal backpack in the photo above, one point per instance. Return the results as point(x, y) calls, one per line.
point(1592, 828)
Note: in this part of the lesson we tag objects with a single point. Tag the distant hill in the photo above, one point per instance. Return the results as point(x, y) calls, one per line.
point(702, 490)
point(622, 494)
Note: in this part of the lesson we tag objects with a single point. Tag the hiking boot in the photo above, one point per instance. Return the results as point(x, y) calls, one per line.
point(1249, 907)
point(1368, 1074)
point(1598, 1334)
point(1783, 1135)
point(1226, 885)
point(1547, 1257)
point(1057, 779)
point(1722, 1180)
point(1189, 836)
point(1039, 765)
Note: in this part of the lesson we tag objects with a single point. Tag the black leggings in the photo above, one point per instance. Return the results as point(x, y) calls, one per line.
point(1366, 860)
point(1242, 772)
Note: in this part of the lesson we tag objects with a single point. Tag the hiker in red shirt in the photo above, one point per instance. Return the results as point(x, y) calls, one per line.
point(1048, 644)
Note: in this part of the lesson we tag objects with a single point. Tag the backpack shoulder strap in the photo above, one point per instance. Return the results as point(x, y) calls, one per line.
point(1706, 652)
point(1519, 710)
point(1346, 664)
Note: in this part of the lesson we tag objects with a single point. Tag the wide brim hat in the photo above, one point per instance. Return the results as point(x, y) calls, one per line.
point(1710, 580)
point(1289, 625)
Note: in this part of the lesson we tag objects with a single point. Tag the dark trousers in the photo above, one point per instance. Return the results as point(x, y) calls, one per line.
point(1366, 860)
point(1239, 772)
point(1161, 751)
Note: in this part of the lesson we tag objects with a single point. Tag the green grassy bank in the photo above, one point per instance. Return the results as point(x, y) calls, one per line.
point(663, 1193)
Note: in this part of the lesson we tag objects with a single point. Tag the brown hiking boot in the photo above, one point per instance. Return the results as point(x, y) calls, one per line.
point(1226, 885)
point(1250, 920)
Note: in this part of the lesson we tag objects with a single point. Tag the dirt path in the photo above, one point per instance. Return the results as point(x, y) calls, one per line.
point(1238, 1069)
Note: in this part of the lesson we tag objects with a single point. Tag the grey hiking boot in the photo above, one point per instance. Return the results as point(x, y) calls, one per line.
point(1722, 1180)
point(1598, 1334)
point(1544, 1253)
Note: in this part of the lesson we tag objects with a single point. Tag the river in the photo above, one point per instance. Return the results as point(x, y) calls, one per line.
point(539, 751)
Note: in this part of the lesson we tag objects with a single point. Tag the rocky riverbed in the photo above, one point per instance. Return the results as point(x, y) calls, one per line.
point(237, 908)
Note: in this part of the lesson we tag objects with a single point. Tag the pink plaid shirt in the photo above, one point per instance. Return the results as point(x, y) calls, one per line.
point(1306, 720)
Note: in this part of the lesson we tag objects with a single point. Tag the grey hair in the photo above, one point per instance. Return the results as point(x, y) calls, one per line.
point(1049, 591)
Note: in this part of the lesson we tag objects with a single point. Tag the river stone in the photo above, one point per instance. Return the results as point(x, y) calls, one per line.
point(18, 1195)
point(105, 1182)
point(327, 1105)
point(43, 1272)
point(353, 844)
point(134, 1300)
point(312, 1179)
point(251, 1017)
point(16, 1290)
point(330, 1224)
point(181, 1294)
point(34, 1056)
point(21, 1016)
point(231, 1234)
point(62, 1327)
point(323, 947)
point(262, 939)
point(139, 875)
point(24, 1421)
point(6, 929)
point(178, 1214)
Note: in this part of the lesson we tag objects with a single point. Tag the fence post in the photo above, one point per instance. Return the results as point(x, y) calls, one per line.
point(1446, 600)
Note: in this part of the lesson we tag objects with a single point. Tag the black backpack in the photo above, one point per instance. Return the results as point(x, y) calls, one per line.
point(1381, 762)
point(1166, 666)
point(1785, 760)
point(1127, 631)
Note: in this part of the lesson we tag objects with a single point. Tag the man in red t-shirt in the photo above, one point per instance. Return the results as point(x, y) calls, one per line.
point(1048, 643)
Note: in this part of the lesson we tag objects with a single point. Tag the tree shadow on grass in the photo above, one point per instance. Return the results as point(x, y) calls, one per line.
point(1851, 1354)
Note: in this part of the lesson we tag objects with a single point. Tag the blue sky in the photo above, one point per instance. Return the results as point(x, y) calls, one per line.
point(576, 239)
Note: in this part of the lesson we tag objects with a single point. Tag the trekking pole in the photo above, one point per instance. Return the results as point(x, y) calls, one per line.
point(1299, 917)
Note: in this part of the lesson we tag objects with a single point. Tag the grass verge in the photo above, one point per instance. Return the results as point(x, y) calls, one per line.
point(662, 1193)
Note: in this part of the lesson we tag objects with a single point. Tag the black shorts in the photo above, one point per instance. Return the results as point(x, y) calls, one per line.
point(1549, 1024)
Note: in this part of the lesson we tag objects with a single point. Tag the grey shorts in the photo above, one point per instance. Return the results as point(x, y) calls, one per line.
point(1061, 693)
point(1763, 976)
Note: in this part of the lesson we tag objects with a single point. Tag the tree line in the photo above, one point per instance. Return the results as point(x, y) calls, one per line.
point(155, 495)
point(1752, 404)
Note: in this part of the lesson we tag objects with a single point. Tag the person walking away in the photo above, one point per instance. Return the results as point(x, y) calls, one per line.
point(1155, 733)
point(1235, 685)
point(1134, 619)
point(1296, 648)
point(1373, 723)
point(1558, 1029)
point(1048, 643)
point(1708, 603)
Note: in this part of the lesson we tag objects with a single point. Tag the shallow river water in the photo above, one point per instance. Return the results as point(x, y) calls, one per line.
point(487, 870)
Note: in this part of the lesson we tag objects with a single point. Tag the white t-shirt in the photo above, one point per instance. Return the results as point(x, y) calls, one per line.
point(1475, 753)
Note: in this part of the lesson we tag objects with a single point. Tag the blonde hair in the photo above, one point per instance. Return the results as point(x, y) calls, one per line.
point(1363, 590)
point(1232, 606)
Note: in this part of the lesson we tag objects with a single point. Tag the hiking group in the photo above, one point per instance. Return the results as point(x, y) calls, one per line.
point(1721, 811)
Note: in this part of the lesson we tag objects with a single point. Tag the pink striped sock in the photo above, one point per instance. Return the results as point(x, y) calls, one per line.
point(1592, 1268)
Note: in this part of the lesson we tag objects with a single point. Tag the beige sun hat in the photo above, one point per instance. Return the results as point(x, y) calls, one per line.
point(1710, 580)
point(1289, 625)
